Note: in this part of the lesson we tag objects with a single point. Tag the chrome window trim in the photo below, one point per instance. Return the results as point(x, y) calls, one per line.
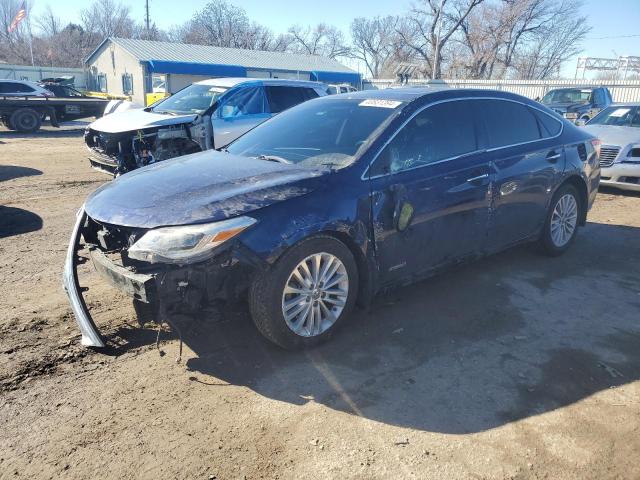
point(483, 150)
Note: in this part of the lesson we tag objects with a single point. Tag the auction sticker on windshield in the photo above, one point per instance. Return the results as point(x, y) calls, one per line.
point(375, 102)
point(619, 112)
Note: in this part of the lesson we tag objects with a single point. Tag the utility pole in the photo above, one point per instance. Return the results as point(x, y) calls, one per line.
point(146, 17)
point(30, 36)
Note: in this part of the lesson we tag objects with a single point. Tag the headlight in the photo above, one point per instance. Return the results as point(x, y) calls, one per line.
point(634, 154)
point(571, 115)
point(188, 243)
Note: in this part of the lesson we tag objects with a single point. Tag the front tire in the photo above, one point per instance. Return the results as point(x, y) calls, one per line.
point(561, 225)
point(301, 301)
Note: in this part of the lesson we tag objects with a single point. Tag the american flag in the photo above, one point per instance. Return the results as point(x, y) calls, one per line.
point(22, 12)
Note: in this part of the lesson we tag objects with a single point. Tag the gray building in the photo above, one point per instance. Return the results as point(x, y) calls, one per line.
point(138, 67)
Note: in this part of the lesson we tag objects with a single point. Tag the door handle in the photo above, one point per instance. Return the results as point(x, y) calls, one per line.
point(553, 157)
point(478, 178)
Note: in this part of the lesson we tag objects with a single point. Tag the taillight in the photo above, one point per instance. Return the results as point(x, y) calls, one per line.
point(596, 143)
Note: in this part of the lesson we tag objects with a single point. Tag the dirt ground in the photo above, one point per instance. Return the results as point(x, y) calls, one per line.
point(516, 367)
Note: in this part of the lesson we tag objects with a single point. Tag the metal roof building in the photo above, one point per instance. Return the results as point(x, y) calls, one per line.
point(137, 67)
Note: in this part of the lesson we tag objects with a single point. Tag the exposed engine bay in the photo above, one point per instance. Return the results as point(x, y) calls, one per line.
point(119, 153)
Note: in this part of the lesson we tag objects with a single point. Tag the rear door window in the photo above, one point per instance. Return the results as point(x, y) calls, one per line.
point(508, 123)
point(440, 132)
point(281, 97)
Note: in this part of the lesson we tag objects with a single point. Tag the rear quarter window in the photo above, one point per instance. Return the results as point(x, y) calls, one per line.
point(549, 126)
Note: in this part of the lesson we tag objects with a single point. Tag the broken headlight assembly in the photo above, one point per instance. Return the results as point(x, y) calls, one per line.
point(188, 243)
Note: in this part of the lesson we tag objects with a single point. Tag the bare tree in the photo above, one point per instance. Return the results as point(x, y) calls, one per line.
point(49, 23)
point(556, 40)
point(374, 41)
point(427, 28)
point(322, 39)
point(224, 25)
point(14, 46)
point(526, 38)
point(106, 18)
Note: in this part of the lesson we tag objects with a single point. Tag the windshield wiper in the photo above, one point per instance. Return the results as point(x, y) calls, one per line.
point(273, 158)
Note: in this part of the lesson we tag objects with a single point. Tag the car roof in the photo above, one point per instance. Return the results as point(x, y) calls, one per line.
point(410, 94)
point(403, 94)
point(233, 81)
point(12, 80)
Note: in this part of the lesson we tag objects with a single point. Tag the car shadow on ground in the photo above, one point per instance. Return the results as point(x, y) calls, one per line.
point(14, 221)
point(506, 338)
point(619, 192)
point(48, 133)
point(9, 172)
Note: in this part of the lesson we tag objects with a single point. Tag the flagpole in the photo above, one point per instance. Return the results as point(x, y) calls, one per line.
point(30, 36)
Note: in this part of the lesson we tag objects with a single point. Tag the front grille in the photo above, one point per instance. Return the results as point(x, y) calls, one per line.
point(608, 154)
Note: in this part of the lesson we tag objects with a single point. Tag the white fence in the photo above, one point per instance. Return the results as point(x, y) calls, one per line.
point(35, 74)
point(622, 91)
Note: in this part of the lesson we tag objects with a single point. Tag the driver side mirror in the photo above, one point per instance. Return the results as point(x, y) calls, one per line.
point(226, 112)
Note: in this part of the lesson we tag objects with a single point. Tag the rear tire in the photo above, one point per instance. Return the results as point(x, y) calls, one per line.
point(561, 224)
point(26, 120)
point(322, 309)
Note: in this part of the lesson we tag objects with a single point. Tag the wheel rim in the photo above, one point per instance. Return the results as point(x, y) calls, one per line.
point(315, 294)
point(564, 220)
point(26, 121)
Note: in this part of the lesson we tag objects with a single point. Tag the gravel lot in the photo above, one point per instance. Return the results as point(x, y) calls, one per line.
point(516, 367)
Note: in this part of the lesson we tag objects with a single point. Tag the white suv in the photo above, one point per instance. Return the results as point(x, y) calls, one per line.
point(22, 88)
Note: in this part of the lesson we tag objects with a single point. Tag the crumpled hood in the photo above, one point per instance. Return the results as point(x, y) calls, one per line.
point(203, 187)
point(137, 120)
point(613, 135)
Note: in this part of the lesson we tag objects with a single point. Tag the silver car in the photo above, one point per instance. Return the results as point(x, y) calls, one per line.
point(22, 88)
point(205, 115)
point(618, 127)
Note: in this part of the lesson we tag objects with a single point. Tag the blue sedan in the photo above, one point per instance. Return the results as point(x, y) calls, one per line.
point(334, 200)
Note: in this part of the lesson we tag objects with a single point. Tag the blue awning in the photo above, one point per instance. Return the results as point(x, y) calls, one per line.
point(189, 68)
point(220, 70)
point(336, 77)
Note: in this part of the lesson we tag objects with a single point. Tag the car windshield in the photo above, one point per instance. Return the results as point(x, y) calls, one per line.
point(195, 98)
point(568, 95)
point(327, 131)
point(620, 116)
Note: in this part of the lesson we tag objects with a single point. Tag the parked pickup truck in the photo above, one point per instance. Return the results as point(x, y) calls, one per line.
point(205, 115)
point(25, 114)
point(578, 103)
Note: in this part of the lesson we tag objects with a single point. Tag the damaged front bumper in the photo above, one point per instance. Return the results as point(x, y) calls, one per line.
point(90, 335)
point(166, 288)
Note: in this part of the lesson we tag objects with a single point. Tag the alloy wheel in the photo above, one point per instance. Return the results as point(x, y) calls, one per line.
point(564, 220)
point(315, 294)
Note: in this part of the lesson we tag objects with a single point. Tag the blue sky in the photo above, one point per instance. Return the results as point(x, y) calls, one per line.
point(609, 18)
